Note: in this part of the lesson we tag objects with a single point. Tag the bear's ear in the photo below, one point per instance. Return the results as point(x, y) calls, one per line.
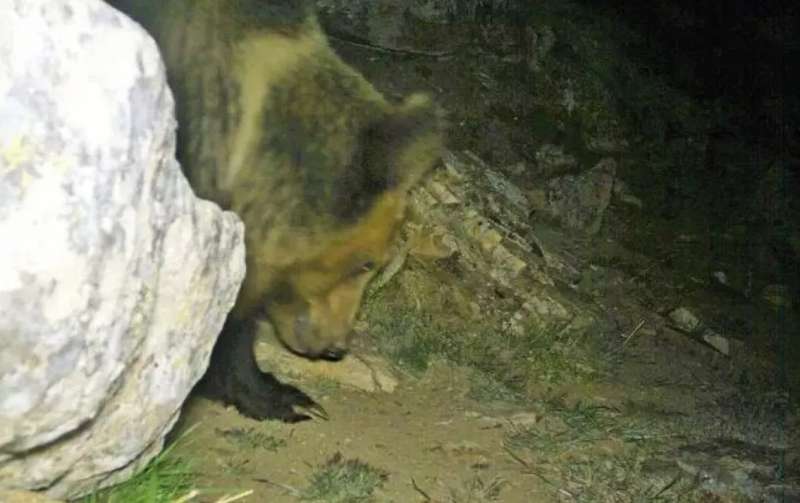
point(407, 142)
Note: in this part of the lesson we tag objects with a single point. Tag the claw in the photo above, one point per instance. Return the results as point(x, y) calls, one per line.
point(314, 409)
point(293, 418)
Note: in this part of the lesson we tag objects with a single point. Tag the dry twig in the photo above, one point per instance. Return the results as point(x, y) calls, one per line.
point(229, 499)
point(419, 490)
point(633, 332)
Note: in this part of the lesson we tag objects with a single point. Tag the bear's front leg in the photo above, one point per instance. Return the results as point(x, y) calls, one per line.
point(234, 378)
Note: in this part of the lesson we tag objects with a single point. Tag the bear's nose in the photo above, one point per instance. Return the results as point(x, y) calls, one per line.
point(310, 343)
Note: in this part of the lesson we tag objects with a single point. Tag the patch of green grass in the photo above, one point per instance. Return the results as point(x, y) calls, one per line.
point(621, 478)
point(166, 478)
point(250, 438)
point(408, 340)
point(504, 363)
point(343, 481)
point(484, 388)
point(557, 355)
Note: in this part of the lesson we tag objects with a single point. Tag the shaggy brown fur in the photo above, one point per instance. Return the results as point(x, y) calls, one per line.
point(276, 127)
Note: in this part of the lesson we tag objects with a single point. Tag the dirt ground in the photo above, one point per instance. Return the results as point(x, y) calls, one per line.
point(426, 434)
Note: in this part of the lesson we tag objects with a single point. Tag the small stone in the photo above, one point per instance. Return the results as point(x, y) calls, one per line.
point(366, 373)
point(685, 319)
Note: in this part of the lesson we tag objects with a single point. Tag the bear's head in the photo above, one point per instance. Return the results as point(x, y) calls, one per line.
point(310, 277)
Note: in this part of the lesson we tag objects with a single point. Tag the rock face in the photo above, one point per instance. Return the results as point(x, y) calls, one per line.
point(479, 219)
point(114, 279)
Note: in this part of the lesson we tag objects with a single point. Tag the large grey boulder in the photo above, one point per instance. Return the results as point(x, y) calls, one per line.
point(114, 279)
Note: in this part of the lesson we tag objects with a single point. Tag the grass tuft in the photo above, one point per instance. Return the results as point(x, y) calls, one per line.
point(343, 481)
point(166, 478)
point(475, 490)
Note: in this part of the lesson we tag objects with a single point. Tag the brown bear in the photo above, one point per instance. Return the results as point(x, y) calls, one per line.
point(273, 125)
